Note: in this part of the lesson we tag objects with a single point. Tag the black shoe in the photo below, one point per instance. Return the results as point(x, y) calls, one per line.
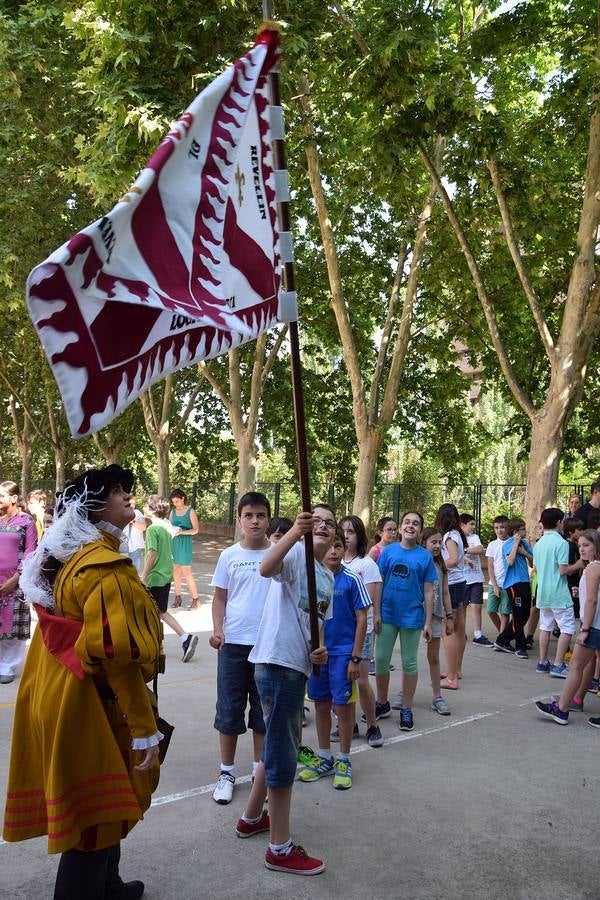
point(382, 711)
point(128, 890)
point(503, 648)
point(529, 642)
point(521, 654)
point(556, 631)
point(189, 647)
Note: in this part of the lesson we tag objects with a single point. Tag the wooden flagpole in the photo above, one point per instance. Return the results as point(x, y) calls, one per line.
point(289, 283)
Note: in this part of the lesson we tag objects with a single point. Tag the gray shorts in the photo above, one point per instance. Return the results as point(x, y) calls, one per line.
point(436, 626)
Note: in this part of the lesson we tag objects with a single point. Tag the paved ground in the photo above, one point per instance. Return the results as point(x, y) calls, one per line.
point(488, 803)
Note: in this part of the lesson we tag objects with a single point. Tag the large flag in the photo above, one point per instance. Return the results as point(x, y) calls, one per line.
point(184, 267)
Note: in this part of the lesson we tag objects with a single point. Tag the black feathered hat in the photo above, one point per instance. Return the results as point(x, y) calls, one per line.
point(91, 489)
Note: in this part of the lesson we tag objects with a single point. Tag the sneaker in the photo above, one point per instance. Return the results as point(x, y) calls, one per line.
point(521, 654)
point(576, 705)
point(343, 775)
point(559, 671)
point(372, 667)
point(483, 641)
point(407, 722)
point(305, 712)
point(374, 737)
point(305, 755)
point(224, 789)
point(543, 668)
point(503, 648)
point(189, 646)
point(382, 711)
point(529, 642)
point(553, 711)
point(317, 768)
point(247, 829)
point(556, 632)
point(593, 688)
point(440, 706)
point(297, 862)
point(594, 721)
point(398, 701)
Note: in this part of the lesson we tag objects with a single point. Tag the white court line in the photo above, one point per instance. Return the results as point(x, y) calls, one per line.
point(405, 736)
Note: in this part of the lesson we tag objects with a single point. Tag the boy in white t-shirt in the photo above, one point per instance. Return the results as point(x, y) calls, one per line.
point(282, 656)
point(474, 575)
point(238, 603)
point(498, 603)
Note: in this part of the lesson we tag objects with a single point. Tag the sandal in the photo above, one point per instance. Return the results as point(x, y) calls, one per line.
point(176, 602)
point(449, 685)
point(195, 604)
point(445, 675)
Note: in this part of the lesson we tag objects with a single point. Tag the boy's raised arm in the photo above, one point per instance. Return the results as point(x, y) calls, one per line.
point(272, 561)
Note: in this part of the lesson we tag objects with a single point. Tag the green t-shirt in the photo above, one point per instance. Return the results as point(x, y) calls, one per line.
point(158, 537)
point(550, 552)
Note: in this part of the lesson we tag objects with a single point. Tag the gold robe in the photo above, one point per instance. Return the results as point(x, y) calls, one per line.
point(72, 773)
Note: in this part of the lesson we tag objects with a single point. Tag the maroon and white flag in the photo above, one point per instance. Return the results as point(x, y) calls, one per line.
point(184, 267)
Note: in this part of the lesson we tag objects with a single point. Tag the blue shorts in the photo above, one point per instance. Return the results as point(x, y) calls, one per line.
point(332, 683)
point(474, 593)
point(281, 693)
point(458, 594)
point(235, 688)
point(593, 639)
point(367, 650)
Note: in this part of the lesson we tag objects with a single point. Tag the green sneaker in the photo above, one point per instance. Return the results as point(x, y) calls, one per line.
point(317, 768)
point(306, 755)
point(343, 775)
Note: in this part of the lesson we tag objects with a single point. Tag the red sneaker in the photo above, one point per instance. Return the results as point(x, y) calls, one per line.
point(247, 829)
point(298, 862)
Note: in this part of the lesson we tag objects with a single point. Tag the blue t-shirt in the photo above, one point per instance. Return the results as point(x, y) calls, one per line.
point(404, 574)
point(349, 594)
point(518, 573)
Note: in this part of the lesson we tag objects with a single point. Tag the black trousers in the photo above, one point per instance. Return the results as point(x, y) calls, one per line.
point(92, 874)
point(520, 602)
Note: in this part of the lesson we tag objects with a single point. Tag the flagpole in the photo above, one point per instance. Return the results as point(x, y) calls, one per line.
point(289, 282)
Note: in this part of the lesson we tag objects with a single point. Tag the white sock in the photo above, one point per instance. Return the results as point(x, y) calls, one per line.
point(478, 634)
point(183, 637)
point(344, 757)
point(324, 754)
point(281, 849)
point(229, 769)
point(255, 766)
point(252, 821)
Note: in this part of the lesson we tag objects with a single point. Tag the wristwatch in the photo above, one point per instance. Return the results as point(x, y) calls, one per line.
point(356, 659)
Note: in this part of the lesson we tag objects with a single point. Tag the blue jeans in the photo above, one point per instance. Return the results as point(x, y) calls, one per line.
point(235, 688)
point(282, 696)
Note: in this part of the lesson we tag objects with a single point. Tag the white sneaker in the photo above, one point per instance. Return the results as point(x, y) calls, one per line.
point(223, 792)
point(398, 701)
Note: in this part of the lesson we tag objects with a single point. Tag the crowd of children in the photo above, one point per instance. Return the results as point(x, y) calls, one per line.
point(414, 583)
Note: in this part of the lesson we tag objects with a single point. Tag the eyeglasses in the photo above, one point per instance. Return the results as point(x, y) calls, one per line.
point(328, 523)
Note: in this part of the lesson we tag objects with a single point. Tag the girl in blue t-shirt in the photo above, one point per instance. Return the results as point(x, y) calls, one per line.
point(408, 574)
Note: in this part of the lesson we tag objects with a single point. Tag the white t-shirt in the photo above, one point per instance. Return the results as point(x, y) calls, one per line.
point(283, 637)
point(474, 576)
point(583, 598)
point(237, 573)
point(135, 537)
point(494, 552)
point(368, 572)
point(457, 573)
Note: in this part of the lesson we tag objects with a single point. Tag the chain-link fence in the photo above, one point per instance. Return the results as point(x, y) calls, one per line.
point(217, 504)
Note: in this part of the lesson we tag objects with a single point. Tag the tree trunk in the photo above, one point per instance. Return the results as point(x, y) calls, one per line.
point(59, 466)
point(162, 462)
point(246, 449)
point(547, 435)
point(368, 450)
point(26, 454)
